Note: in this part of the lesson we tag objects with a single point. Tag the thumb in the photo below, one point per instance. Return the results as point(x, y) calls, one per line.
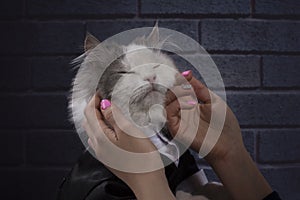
point(202, 92)
point(106, 111)
point(114, 117)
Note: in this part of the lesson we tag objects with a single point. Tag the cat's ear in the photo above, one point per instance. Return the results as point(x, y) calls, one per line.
point(90, 42)
point(153, 37)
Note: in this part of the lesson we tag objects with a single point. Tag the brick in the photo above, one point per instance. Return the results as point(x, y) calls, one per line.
point(11, 8)
point(52, 73)
point(105, 29)
point(236, 71)
point(189, 28)
point(255, 109)
point(195, 7)
point(250, 35)
point(14, 74)
point(53, 147)
point(81, 8)
point(183, 65)
point(44, 183)
point(49, 111)
point(11, 155)
point(39, 111)
point(285, 181)
point(16, 111)
point(31, 183)
point(278, 146)
point(60, 37)
point(10, 183)
point(277, 7)
point(12, 42)
point(281, 71)
point(42, 38)
point(239, 71)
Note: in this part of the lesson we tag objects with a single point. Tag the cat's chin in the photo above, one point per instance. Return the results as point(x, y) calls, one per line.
point(152, 98)
point(139, 111)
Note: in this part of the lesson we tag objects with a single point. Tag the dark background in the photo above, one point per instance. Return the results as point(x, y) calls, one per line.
point(255, 44)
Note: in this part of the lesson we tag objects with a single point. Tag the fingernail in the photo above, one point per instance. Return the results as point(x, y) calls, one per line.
point(192, 102)
point(105, 104)
point(186, 73)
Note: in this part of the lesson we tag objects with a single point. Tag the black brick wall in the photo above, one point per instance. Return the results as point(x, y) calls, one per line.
point(255, 44)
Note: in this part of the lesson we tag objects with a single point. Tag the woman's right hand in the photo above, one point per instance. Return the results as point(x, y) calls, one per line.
point(198, 118)
point(228, 156)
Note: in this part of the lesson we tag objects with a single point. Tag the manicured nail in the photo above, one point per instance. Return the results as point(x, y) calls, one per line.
point(105, 104)
point(186, 73)
point(192, 102)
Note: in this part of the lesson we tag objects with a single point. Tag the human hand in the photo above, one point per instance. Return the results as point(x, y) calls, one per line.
point(198, 118)
point(228, 156)
point(105, 127)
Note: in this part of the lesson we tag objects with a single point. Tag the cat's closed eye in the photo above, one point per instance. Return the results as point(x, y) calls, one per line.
point(125, 72)
point(156, 66)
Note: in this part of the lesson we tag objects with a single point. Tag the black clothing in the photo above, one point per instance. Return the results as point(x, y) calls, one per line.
point(91, 180)
point(273, 196)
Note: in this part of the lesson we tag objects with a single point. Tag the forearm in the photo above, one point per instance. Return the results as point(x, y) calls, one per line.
point(152, 187)
point(241, 177)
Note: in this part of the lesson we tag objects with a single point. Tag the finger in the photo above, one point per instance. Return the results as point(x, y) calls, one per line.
point(91, 110)
point(114, 117)
point(187, 75)
point(107, 112)
point(108, 131)
point(182, 77)
point(91, 144)
point(88, 129)
point(178, 91)
point(96, 121)
point(95, 118)
point(187, 102)
point(183, 103)
point(97, 98)
point(202, 92)
point(173, 113)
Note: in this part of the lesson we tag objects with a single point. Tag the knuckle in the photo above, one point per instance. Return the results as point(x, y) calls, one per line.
point(98, 137)
point(84, 124)
point(86, 111)
point(126, 126)
point(108, 115)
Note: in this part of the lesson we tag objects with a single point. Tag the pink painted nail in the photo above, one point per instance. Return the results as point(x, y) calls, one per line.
point(192, 102)
point(186, 73)
point(105, 104)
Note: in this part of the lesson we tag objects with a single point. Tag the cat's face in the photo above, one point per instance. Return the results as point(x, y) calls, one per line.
point(134, 77)
point(138, 81)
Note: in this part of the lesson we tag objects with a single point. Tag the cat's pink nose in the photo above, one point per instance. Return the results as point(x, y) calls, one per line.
point(150, 79)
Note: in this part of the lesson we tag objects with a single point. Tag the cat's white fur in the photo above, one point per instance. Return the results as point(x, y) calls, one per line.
point(140, 58)
point(146, 64)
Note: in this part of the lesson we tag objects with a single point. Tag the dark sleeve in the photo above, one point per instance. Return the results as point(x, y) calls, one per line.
point(273, 196)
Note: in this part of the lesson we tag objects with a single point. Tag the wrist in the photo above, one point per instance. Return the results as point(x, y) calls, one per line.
point(240, 175)
point(235, 155)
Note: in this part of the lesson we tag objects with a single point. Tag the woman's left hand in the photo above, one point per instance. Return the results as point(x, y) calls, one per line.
point(104, 126)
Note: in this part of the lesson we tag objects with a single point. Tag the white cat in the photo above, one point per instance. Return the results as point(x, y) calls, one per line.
point(136, 80)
